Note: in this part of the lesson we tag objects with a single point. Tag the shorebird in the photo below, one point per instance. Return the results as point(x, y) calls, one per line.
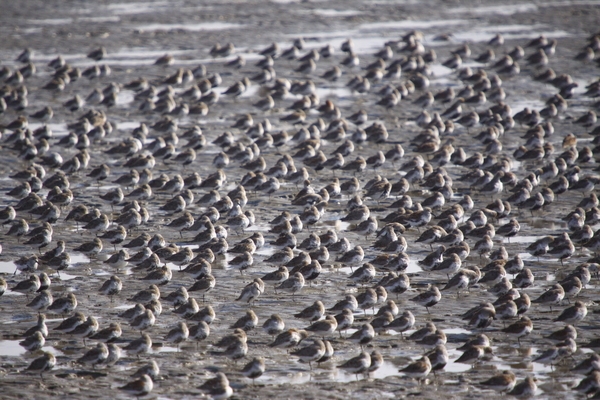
point(293, 284)
point(502, 383)
point(290, 338)
point(418, 369)
point(42, 364)
point(312, 352)
point(254, 369)
point(217, 387)
point(521, 328)
point(357, 365)
point(429, 298)
point(554, 295)
point(139, 387)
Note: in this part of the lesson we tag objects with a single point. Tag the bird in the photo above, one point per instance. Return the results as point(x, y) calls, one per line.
point(217, 387)
point(554, 295)
point(293, 284)
point(248, 322)
point(418, 369)
point(525, 388)
point(139, 387)
point(199, 332)
point(178, 334)
point(357, 365)
point(250, 293)
point(95, 356)
point(573, 314)
point(140, 345)
point(63, 305)
point(429, 298)
point(502, 383)
point(34, 342)
point(42, 364)
point(363, 336)
point(313, 312)
point(324, 327)
point(312, 352)
point(111, 287)
point(254, 369)
point(473, 354)
point(290, 338)
point(522, 327)
point(111, 333)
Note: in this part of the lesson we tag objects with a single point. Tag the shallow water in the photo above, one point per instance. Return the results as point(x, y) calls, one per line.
point(138, 33)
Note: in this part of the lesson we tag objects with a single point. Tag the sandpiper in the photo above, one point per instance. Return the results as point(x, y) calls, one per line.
point(109, 334)
point(418, 369)
point(312, 352)
point(254, 369)
point(573, 314)
point(146, 295)
point(357, 365)
point(42, 364)
point(203, 284)
point(313, 312)
point(140, 345)
point(95, 356)
point(521, 328)
point(290, 338)
point(363, 336)
point(250, 293)
point(111, 287)
point(178, 334)
point(218, 387)
point(64, 305)
point(502, 383)
point(248, 322)
point(34, 342)
point(40, 326)
point(554, 295)
point(293, 284)
point(199, 332)
point(41, 301)
point(429, 298)
point(69, 324)
point(188, 309)
point(139, 387)
point(324, 327)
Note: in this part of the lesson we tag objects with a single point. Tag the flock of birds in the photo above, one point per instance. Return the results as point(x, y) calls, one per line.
point(335, 173)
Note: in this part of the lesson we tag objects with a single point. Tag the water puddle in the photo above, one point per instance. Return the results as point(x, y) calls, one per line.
point(386, 369)
point(568, 3)
point(504, 9)
point(78, 258)
point(167, 349)
point(64, 276)
point(11, 348)
point(330, 13)
point(457, 331)
point(521, 239)
point(532, 104)
point(413, 267)
point(7, 267)
point(141, 7)
point(410, 24)
point(51, 21)
point(453, 366)
point(205, 26)
point(325, 373)
point(98, 19)
point(326, 92)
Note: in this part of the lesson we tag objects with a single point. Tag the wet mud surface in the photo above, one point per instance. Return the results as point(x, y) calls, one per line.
point(135, 35)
